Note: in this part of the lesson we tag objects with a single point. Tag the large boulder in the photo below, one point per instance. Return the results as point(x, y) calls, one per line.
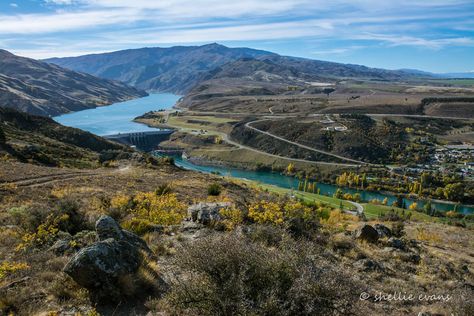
point(206, 213)
point(100, 267)
point(367, 233)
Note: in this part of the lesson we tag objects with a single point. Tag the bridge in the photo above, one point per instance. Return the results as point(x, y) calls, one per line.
point(145, 141)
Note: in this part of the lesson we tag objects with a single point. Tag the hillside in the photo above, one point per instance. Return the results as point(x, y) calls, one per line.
point(44, 89)
point(174, 69)
point(179, 69)
point(42, 141)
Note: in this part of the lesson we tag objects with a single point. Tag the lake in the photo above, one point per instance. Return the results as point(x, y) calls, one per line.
point(117, 118)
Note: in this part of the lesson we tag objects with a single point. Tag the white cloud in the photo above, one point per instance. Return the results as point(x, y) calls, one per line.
point(47, 23)
point(402, 40)
point(117, 24)
point(13, 5)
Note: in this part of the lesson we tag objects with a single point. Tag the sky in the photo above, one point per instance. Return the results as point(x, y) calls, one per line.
point(430, 35)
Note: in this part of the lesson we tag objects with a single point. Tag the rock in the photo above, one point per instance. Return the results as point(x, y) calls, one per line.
point(367, 233)
point(367, 265)
point(61, 246)
point(396, 243)
point(383, 231)
point(206, 213)
point(100, 266)
point(106, 227)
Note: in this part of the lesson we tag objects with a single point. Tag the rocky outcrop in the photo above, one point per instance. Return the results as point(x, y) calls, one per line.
point(206, 213)
point(116, 255)
point(367, 233)
point(383, 231)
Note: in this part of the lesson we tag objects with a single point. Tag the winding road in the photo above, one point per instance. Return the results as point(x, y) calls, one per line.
point(248, 125)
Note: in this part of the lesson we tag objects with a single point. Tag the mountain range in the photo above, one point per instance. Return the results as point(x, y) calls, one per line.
point(46, 89)
point(179, 69)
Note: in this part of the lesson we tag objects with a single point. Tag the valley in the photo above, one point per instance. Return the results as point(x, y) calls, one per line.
point(286, 186)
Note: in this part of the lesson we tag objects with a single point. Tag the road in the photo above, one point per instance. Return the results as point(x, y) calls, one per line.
point(248, 125)
point(225, 137)
point(359, 207)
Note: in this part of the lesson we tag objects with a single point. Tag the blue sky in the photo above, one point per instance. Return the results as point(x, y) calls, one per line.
point(432, 35)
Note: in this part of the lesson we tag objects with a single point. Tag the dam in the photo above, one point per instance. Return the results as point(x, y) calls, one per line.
point(145, 141)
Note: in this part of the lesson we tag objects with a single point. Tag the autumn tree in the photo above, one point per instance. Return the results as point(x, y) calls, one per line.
point(454, 191)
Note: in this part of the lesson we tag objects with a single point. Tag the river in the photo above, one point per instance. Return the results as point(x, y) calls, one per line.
point(117, 118)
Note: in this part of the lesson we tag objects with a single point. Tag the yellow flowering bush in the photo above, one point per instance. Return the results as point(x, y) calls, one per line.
point(266, 212)
point(295, 209)
point(119, 201)
point(45, 233)
point(9, 267)
point(338, 220)
point(232, 217)
point(162, 210)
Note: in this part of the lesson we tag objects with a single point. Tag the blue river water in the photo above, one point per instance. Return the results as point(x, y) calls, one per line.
point(117, 118)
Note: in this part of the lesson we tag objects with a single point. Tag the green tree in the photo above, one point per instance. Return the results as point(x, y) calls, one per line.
point(454, 191)
point(427, 207)
point(339, 194)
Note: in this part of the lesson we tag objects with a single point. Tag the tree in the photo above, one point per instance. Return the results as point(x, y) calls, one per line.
point(339, 194)
point(428, 207)
point(290, 169)
point(454, 191)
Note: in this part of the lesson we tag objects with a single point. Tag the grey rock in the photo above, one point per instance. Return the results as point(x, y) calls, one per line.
point(396, 243)
point(106, 227)
point(206, 213)
point(61, 246)
point(100, 266)
point(367, 233)
point(383, 231)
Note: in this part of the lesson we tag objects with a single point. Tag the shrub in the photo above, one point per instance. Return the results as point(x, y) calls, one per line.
point(163, 189)
point(266, 212)
point(28, 218)
point(75, 221)
point(160, 210)
point(246, 278)
point(453, 214)
point(139, 226)
point(214, 189)
point(398, 229)
point(44, 235)
point(9, 267)
point(232, 217)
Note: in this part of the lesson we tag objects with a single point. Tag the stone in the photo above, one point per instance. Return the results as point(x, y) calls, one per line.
point(106, 227)
point(61, 246)
point(207, 213)
point(396, 243)
point(367, 233)
point(383, 231)
point(100, 266)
